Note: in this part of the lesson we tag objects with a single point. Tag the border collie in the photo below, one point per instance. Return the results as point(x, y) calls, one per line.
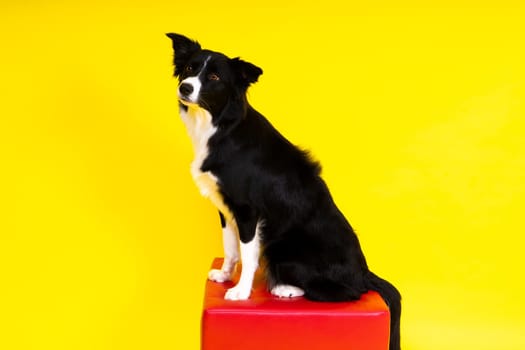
point(269, 193)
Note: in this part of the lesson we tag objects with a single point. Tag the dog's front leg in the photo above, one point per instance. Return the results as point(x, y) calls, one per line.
point(250, 250)
point(230, 241)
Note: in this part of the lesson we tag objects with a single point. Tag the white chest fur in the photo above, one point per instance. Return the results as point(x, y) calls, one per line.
point(200, 129)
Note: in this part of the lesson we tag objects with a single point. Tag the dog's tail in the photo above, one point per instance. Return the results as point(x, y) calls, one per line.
point(392, 298)
point(323, 289)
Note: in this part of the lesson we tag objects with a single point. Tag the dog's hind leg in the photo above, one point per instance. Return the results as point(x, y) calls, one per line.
point(286, 291)
point(230, 241)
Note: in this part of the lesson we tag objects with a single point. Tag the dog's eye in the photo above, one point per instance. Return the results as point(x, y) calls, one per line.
point(213, 77)
point(189, 69)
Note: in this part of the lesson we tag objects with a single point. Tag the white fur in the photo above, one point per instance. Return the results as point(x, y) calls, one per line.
point(250, 262)
point(287, 291)
point(230, 240)
point(199, 125)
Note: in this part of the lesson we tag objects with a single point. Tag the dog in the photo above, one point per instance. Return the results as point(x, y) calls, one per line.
point(269, 193)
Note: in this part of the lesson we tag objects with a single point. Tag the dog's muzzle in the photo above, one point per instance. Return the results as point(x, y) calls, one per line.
point(189, 90)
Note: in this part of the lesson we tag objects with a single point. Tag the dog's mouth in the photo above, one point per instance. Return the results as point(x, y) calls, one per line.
point(186, 101)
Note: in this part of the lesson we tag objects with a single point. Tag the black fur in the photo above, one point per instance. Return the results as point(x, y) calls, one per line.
point(306, 240)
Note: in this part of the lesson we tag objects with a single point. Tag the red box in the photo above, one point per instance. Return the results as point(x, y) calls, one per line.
point(266, 322)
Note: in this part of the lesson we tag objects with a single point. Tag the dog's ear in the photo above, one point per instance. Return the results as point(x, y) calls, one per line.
point(246, 72)
point(183, 49)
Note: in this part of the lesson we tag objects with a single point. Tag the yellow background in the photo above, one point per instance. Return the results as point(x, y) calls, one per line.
point(415, 110)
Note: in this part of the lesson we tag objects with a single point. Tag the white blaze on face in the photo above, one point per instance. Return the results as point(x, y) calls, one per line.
point(195, 83)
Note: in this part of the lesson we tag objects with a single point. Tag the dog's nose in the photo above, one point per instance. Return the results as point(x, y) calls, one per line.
point(185, 89)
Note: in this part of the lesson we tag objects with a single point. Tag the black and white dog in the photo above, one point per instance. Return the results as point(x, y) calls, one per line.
point(269, 193)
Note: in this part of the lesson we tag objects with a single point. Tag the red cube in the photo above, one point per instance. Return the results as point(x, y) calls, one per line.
point(266, 322)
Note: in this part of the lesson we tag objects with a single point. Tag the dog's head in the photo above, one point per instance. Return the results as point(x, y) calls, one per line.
point(210, 80)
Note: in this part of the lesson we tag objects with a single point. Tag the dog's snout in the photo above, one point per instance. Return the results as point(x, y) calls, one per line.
point(186, 89)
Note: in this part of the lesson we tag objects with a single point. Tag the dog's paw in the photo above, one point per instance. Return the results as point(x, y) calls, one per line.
point(220, 276)
point(286, 291)
point(237, 293)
